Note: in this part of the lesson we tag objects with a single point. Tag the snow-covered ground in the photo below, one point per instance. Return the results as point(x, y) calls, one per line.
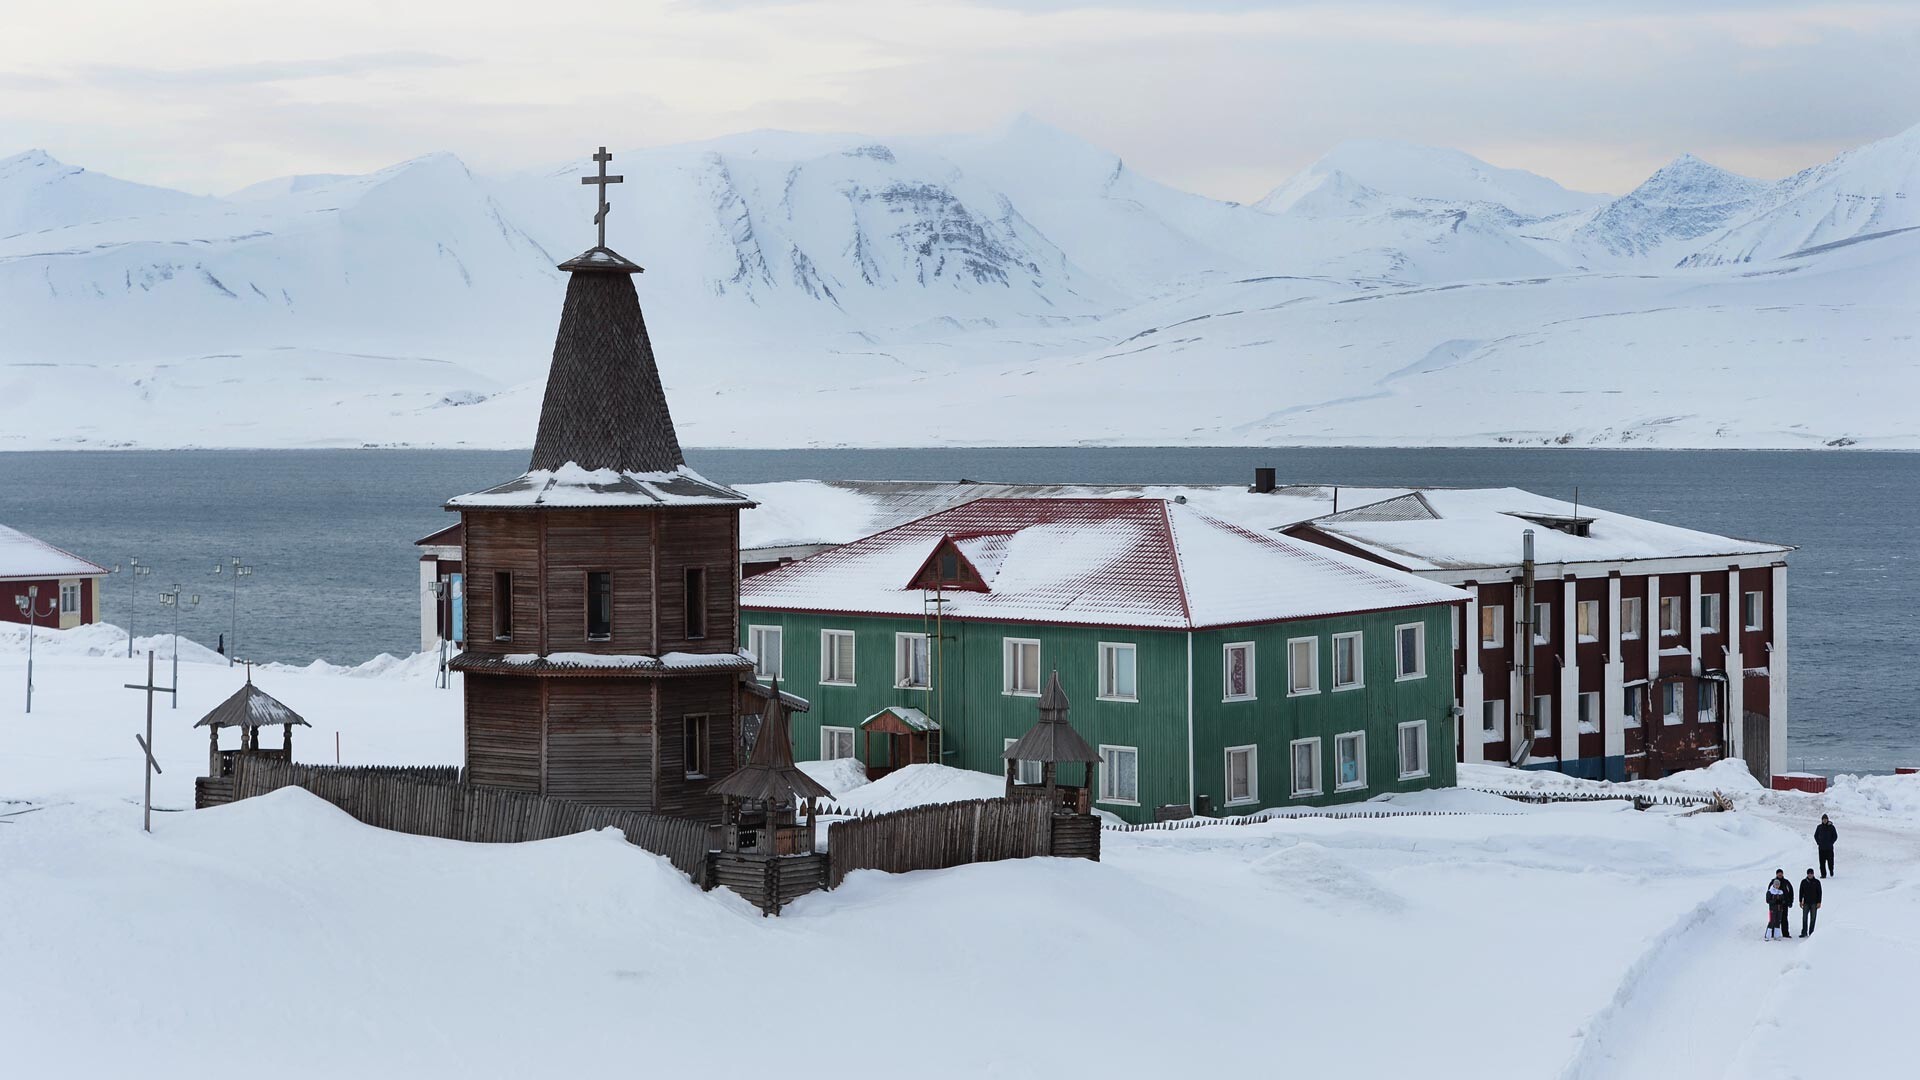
point(1576, 940)
point(1027, 285)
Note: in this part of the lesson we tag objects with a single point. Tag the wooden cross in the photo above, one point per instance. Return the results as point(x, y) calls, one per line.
point(146, 744)
point(601, 181)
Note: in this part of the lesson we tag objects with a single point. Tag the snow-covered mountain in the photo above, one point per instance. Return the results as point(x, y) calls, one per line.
point(1034, 288)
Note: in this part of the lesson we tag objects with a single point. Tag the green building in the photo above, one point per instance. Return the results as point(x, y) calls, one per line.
point(1213, 666)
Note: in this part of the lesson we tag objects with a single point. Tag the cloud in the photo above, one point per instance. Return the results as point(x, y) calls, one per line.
point(269, 71)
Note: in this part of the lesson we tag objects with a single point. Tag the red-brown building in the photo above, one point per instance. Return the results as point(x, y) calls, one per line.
point(1652, 648)
point(601, 593)
point(67, 586)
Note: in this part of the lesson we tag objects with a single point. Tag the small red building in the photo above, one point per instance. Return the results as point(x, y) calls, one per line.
point(68, 585)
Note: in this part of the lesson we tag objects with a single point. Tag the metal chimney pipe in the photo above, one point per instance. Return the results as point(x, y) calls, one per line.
point(1263, 481)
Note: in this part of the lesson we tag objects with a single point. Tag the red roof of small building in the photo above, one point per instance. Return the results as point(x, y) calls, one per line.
point(23, 557)
point(1147, 563)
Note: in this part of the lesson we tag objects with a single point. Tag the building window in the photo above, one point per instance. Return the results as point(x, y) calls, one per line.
point(1589, 706)
point(1671, 699)
point(1303, 666)
point(1493, 626)
point(1027, 772)
point(836, 657)
point(1493, 721)
point(1586, 620)
point(1753, 610)
point(1306, 766)
point(1020, 667)
point(599, 605)
point(69, 598)
point(764, 642)
point(1636, 704)
point(836, 743)
point(693, 731)
point(696, 596)
point(1348, 670)
point(1350, 761)
point(1542, 623)
point(1119, 672)
point(1669, 616)
point(1709, 613)
point(1410, 651)
point(911, 663)
point(1413, 749)
point(1243, 775)
point(1630, 612)
point(1709, 702)
point(1236, 675)
point(1543, 714)
point(1120, 775)
point(502, 606)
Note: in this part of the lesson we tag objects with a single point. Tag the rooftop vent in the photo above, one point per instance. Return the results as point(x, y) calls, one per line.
point(1572, 526)
point(1263, 481)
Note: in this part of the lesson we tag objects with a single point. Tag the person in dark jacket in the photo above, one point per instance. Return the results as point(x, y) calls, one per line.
point(1824, 835)
point(1809, 903)
point(1779, 901)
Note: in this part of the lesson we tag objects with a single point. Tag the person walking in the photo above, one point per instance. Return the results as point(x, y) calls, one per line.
point(1779, 900)
point(1824, 835)
point(1809, 903)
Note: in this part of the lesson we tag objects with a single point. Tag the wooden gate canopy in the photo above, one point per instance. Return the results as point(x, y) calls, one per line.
point(911, 738)
point(249, 709)
point(1052, 742)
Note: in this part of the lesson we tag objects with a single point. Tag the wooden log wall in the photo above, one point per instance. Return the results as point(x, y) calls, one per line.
point(434, 803)
point(503, 732)
point(768, 882)
point(933, 837)
point(599, 742)
point(716, 698)
point(580, 542)
point(702, 538)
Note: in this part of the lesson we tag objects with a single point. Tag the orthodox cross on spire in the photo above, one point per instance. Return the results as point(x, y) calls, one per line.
point(601, 181)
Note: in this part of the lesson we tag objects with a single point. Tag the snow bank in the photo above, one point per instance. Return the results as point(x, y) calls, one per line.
point(923, 785)
point(839, 776)
point(1875, 796)
point(1729, 777)
point(101, 639)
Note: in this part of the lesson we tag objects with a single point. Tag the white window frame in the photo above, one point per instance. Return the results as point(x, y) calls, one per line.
point(756, 643)
point(1253, 775)
point(1630, 625)
point(1028, 772)
point(1109, 655)
point(1753, 610)
point(1314, 786)
point(1589, 612)
point(1542, 715)
point(1496, 614)
point(827, 736)
point(1313, 667)
point(1359, 661)
point(1677, 605)
point(69, 589)
point(1711, 603)
point(901, 644)
point(1542, 622)
point(827, 638)
point(1359, 739)
point(1009, 649)
point(1587, 704)
point(1678, 715)
point(1226, 672)
point(1106, 775)
point(1419, 652)
point(1400, 746)
point(1499, 729)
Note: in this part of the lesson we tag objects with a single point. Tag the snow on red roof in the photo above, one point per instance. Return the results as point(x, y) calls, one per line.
point(1146, 563)
point(23, 556)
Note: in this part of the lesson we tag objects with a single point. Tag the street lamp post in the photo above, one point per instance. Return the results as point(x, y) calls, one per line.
point(134, 571)
point(29, 606)
point(239, 570)
point(174, 600)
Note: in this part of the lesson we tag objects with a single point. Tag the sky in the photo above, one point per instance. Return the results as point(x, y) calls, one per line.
point(1223, 97)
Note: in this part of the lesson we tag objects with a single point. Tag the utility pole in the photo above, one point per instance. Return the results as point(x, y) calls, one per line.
point(133, 571)
point(29, 606)
point(239, 570)
point(146, 744)
point(172, 599)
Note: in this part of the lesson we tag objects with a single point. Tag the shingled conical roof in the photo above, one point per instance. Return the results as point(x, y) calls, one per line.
point(605, 408)
point(1052, 738)
point(770, 774)
point(250, 707)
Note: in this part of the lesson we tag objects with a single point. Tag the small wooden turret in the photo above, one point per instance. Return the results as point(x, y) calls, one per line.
point(1052, 742)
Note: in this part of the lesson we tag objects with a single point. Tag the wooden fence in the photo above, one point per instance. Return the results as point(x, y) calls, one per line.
point(433, 802)
point(1638, 798)
point(942, 835)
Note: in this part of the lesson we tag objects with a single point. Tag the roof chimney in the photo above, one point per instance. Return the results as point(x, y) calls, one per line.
point(1263, 482)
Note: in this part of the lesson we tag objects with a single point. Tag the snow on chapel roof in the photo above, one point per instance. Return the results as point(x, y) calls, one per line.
point(23, 556)
point(1146, 563)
